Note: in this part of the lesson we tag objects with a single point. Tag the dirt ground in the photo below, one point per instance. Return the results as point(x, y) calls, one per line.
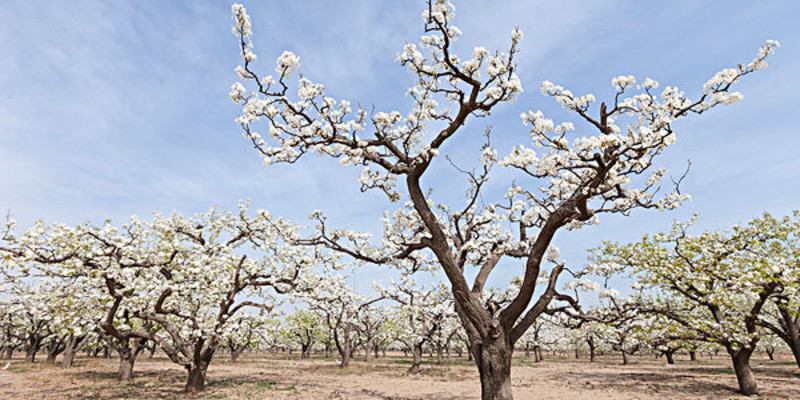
point(267, 377)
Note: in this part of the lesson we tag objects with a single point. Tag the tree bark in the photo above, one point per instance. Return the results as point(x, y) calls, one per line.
point(128, 351)
point(196, 381)
point(494, 366)
point(73, 344)
point(126, 362)
point(796, 353)
point(8, 353)
point(346, 354)
point(693, 355)
point(416, 360)
point(439, 356)
point(368, 355)
point(624, 357)
point(30, 354)
point(670, 359)
point(744, 375)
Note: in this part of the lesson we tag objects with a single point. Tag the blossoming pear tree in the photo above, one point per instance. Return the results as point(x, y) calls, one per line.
point(181, 283)
point(371, 327)
point(422, 312)
point(782, 314)
point(304, 328)
point(339, 306)
point(715, 285)
point(563, 178)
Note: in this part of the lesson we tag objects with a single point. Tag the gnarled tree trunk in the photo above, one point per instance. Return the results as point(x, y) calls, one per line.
point(196, 381)
point(744, 375)
point(416, 360)
point(494, 366)
point(669, 355)
point(73, 345)
point(128, 351)
point(8, 353)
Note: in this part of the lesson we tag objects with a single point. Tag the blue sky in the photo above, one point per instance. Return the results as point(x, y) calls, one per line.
point(109, 109)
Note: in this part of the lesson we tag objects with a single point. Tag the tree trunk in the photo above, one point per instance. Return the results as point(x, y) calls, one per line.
point(126, 362)
point(796, 353)
point(30, 354)
point(346, 354)
point(73, 344)
point(771, 354)
point(368, 351)
point(197, 376)
point(494, 365)
point(670, 359)
point(128, 350)
point(538, 354)
point(578, 354)
point(624, 357)
point(305, 350)
point(416, 352)
point(591, 353)
point(8, 353)
point(693, 355)
point(439, 356)
point(744, 375)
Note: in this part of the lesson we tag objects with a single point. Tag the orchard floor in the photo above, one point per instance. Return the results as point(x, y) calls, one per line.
point(268, 377)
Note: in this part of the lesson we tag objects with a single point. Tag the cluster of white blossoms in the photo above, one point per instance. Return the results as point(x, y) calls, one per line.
point(193, 277)
point(716, 286)
point(320, 124)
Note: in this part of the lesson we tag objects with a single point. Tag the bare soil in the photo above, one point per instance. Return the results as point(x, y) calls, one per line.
point(260, 376)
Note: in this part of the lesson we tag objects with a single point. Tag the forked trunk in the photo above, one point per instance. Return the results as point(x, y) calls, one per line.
point(744, 375)
point(128, 350)
point(494, 365)
point(126, 362)
point(670, 359)
point(197, 376)
point(30, 354)
point(368, 351)
point(73, 344)
point(416, 360)
point(346, 354)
